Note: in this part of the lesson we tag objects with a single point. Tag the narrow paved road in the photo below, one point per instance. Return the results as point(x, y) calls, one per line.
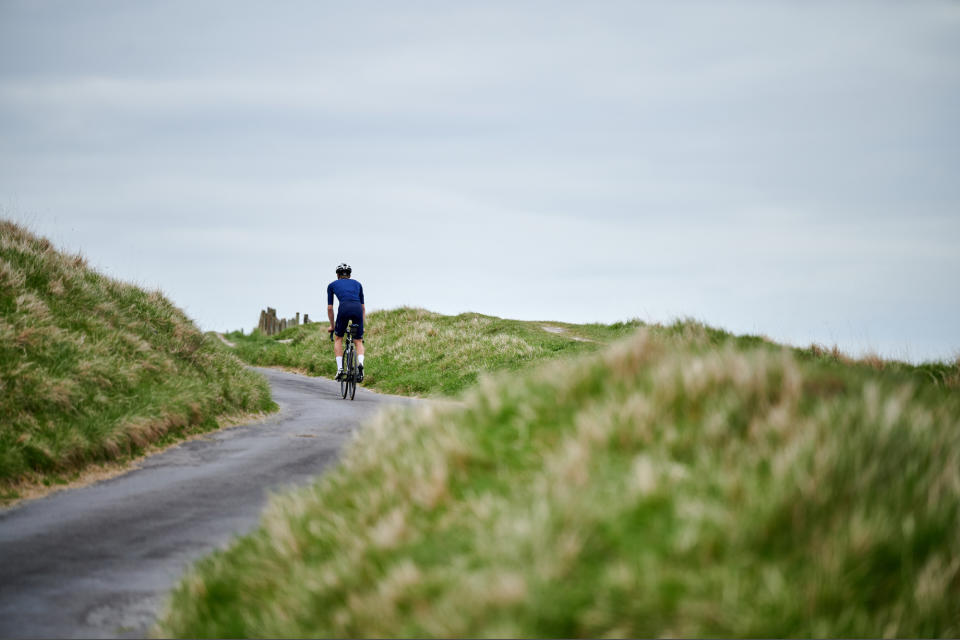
point(99, 561)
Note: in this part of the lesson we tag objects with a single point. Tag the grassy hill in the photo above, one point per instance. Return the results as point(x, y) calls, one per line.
point(417, 352)
point(92, 369)
point(413, 351)
point(680, 482)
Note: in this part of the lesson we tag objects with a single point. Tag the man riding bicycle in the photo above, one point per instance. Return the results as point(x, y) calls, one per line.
point(349, 293)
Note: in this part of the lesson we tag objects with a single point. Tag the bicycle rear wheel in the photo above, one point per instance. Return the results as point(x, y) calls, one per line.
point(353, 386)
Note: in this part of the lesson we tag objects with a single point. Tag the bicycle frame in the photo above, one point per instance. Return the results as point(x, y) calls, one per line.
point(348, 383)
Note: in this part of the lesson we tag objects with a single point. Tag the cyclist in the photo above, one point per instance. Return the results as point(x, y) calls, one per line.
point(349, 293)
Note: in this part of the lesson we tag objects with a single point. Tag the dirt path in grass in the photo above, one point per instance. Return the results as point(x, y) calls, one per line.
point(224, 340)
point(562, 331)
point(98, 561)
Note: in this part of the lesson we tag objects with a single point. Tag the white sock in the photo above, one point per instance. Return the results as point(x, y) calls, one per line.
point(339, 363)
point(361, 359)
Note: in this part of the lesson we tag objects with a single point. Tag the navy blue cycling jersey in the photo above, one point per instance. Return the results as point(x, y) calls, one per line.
point(346, 290)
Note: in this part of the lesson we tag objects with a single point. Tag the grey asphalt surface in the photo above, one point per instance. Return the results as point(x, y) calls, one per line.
point(99, 561)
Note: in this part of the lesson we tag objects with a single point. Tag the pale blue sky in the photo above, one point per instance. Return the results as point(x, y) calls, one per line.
point(791, 169)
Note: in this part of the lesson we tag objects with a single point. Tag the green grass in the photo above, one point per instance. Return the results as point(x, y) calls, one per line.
point(680, 482)
point(417, 352)
point(95, 370)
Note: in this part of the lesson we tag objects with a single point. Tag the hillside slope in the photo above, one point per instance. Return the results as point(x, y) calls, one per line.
point(92, 369)
point(413, 351)
point(418, 352)
point(677, 483)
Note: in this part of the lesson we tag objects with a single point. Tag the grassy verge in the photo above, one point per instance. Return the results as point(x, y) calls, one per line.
point(417, 352)
point(94, 370)
point(680, 482)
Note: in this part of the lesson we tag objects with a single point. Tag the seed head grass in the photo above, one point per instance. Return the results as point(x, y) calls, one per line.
point(678, 482)
point(93, 369)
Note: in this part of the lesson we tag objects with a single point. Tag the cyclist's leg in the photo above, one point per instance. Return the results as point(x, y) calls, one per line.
point(357, 318)
point(358, 331)
point(339, 328)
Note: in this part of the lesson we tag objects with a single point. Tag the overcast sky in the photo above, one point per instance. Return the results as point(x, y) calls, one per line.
point(791, 169)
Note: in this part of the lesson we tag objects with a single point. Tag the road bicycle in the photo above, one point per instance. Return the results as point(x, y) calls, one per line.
point(348, 382)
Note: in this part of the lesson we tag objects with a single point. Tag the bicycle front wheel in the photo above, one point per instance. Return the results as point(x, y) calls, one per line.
point(353, 387)
point(347, 369)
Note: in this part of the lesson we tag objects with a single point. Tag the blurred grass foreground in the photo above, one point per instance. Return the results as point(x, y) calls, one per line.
point(679, 482)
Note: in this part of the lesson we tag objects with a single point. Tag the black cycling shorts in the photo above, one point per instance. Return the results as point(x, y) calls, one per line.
point(349, 311)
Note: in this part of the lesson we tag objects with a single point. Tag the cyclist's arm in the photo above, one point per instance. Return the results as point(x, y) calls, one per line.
point(330, 305)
